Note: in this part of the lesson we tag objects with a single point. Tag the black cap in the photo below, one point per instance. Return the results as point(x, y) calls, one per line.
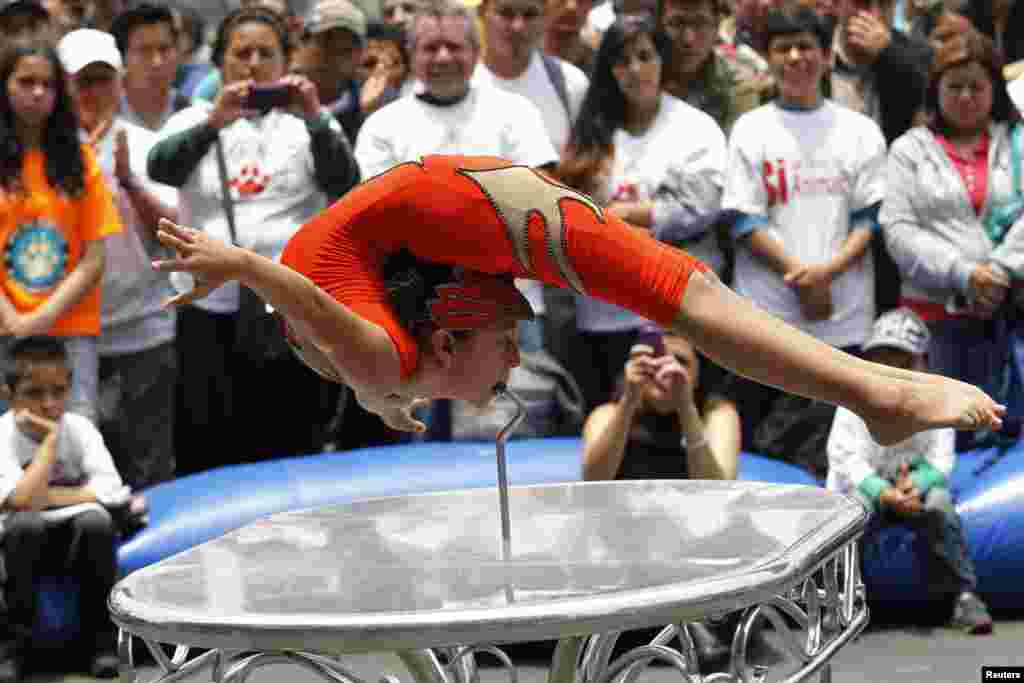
point(14, 7)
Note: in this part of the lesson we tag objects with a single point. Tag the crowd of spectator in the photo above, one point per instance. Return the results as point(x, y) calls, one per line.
point(831, 161)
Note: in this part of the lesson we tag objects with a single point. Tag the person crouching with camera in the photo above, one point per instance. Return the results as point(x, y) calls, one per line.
point(664, 425)
point(251, 168)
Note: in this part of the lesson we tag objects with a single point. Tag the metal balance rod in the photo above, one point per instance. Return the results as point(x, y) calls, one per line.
point(501, 390)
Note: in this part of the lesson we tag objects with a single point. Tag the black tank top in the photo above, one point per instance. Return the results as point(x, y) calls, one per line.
point(653, 450)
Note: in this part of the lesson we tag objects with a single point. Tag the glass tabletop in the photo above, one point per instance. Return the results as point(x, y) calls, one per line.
point(427, 570)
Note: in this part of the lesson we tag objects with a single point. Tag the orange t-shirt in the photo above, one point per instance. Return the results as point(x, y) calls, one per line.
point(43, 234)
point(488, 215)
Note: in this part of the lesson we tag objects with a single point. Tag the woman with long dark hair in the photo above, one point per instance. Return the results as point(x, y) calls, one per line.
point(55, 210)
point(665, 423)
point(647, 157)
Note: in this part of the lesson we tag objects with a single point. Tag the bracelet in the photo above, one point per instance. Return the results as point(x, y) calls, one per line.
point(701, 443)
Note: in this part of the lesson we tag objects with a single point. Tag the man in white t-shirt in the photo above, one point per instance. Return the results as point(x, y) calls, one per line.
point(807, 178)
point(513, 61)
point(450, 115)
point(137, 360)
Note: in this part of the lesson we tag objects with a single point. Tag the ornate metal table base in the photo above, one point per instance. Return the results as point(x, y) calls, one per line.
point(811, 623)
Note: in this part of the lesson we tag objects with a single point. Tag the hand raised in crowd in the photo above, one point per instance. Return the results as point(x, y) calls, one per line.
point(230, 104)
point(989, 286)
point(672, 376)
point(34, 426)
point(640, 369)
point(386, 71)
point(643, 368)
point(868, 34)
point(305, 98)
point(210, 261)
point(122, 158)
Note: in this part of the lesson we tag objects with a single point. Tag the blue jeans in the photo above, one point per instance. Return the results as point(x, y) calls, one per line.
point(949, 566)
point(979, 352)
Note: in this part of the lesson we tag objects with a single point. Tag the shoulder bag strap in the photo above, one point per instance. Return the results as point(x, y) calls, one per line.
point(557, 78)
point(1015, 158)
point(225, 191)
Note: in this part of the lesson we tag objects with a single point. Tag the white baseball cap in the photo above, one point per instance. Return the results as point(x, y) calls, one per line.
point(85, 46)
point(899, 329)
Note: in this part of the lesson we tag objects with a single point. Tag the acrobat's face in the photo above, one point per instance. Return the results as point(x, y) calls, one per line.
point(479, 360)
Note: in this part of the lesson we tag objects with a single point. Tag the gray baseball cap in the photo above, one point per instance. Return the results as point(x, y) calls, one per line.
point(899, 329)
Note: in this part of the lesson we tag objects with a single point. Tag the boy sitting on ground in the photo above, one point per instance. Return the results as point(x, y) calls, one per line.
point(56, 480)
point(907, 482)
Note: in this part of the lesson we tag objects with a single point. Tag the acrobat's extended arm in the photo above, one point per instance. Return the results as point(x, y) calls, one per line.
point(488, 216)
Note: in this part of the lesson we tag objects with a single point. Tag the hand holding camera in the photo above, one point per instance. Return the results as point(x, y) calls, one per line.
point(295, 93)
point(665, 372)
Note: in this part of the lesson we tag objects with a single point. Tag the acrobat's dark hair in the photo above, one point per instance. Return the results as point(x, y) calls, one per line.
point(604, 105)
point(65, 167)
point(796, 19)
point(35, 349)
point(246, 15)
point(411, 284)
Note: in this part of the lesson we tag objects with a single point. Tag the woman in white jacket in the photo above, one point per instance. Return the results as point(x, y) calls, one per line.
point(950, 217)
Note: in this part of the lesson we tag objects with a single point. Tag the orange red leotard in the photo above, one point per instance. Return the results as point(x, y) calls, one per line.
point(488, 215)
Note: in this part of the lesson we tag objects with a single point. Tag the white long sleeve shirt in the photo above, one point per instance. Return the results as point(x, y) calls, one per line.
point(853, 455)
point(82, 459)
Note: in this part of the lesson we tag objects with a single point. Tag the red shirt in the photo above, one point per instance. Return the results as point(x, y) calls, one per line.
point(972, 167)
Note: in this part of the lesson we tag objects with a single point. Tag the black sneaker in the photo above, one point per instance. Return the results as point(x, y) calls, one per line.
point(105, 665)
point(970, 615)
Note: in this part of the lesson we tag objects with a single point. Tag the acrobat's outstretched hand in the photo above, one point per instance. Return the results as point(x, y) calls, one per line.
point(210, 261)
point(395, 411)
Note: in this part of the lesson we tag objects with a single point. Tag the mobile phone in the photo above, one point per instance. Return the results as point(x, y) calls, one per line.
point(265, 97)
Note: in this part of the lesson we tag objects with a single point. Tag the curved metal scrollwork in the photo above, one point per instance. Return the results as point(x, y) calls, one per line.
point(809, 623)
point(227, 666)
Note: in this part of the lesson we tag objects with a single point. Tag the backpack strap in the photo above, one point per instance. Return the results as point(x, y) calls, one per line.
point(557, 77)
point(1015, 157)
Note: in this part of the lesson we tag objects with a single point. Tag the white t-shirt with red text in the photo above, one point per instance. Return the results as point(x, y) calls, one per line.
point(806, 172)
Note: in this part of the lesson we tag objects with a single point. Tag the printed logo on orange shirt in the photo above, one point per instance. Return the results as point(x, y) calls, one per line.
point(36, 258)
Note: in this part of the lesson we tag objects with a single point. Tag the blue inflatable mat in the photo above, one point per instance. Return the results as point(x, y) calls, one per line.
point(197, 508)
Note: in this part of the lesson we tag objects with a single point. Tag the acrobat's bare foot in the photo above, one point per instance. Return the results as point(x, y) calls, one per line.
point(929, 402)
